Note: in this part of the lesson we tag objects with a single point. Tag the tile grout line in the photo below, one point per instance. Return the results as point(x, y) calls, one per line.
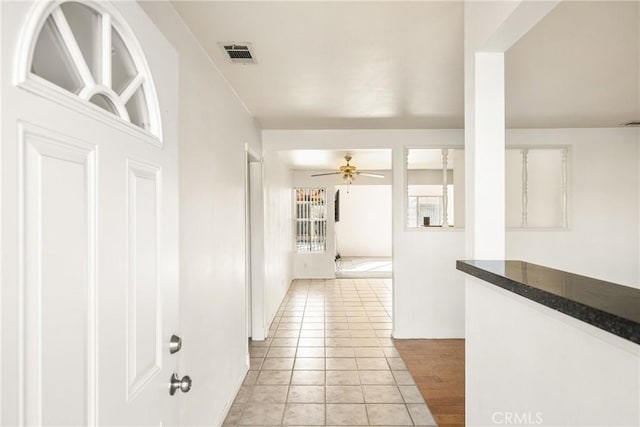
point(328, 296)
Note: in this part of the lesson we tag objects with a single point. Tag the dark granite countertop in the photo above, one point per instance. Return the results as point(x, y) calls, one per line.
point(605, 305)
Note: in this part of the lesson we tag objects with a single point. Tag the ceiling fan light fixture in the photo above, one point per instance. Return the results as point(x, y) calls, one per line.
point(349, 172)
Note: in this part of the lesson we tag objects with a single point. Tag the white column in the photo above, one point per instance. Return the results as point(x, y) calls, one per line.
point(490, 29)
point(487, 158)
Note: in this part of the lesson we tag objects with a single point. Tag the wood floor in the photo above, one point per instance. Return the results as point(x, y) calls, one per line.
point(437, 366)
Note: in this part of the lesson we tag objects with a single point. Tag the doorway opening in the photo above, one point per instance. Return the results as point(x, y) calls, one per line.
point(254, 249)
point(363, 231)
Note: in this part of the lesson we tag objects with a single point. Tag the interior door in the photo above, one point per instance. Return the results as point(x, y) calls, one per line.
point(89, 233)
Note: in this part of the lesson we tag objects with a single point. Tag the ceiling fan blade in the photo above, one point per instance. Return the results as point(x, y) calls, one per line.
point(323, 174)
point(372, 175)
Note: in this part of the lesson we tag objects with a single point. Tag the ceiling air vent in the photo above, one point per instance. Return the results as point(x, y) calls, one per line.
point(239, 53)
point(633, 123)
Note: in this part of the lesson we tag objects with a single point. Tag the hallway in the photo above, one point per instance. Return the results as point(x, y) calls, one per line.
point(330, 361)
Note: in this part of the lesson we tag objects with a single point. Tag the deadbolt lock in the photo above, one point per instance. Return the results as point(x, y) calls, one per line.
point(175, 344)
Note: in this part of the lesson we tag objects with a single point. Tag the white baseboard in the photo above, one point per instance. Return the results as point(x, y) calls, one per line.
point(236, 389)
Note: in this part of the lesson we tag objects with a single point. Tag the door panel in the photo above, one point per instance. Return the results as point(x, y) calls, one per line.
point(59, 286)
point(144, 329)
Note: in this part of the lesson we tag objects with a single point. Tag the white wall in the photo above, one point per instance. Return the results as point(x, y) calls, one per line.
point(602, 238)
point(526, 359)
point(213, 127)
point(428, 292)
point(364, 228)
point(278, 233)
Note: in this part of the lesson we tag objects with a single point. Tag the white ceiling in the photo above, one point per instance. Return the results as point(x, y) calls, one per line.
point(340, 64)
point(333, 159)
point(579, 67)
point(396, 64)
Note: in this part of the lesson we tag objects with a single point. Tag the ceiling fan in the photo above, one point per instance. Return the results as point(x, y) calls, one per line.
point(349, 172)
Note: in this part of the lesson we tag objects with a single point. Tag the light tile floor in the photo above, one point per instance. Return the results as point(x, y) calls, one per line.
point(330, 360)
point(364, 267)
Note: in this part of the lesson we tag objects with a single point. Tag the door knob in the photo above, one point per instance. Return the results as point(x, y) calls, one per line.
point(184, 384)
point(175, 344)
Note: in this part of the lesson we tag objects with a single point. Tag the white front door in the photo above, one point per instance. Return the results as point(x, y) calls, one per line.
point(89, 217)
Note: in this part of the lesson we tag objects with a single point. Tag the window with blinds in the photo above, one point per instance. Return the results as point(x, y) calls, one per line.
point(311, 220)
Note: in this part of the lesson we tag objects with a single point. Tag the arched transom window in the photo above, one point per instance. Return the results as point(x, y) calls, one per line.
point(89, 52)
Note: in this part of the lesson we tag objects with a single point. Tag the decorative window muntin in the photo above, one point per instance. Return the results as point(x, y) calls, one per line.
point(536, 186)
point(86, 49)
